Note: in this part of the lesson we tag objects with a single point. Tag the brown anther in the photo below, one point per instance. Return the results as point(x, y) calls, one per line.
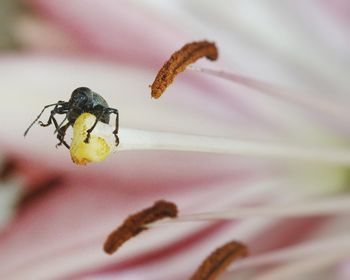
point(178, 62)
point(219, 260)
point(135, 224)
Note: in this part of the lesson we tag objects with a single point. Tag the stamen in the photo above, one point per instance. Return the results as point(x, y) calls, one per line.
point(324, 106)
point(131, 139)
point(219, 260)
point(102, 143)
point(178, 62)
point(311, 208)
point(136, 223)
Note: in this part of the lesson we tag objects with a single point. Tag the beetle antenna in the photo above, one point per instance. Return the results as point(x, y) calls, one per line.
point(57, 128)
point(42, 111)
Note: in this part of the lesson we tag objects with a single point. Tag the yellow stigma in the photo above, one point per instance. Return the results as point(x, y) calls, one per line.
point(96, 150)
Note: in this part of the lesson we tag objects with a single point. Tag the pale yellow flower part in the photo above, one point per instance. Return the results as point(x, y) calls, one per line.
point(98, 147)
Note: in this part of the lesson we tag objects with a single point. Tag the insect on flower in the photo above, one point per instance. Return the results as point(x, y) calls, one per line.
point(82, 100)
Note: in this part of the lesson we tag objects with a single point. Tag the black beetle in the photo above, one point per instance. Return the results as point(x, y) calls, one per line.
point(82, 100)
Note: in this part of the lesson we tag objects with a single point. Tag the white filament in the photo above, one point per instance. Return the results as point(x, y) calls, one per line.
point(132, 139)
point(334, 205)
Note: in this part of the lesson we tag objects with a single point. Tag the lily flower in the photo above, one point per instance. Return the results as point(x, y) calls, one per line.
point(253, 147)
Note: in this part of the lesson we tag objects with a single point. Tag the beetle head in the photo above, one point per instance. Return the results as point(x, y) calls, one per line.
point(79, 98)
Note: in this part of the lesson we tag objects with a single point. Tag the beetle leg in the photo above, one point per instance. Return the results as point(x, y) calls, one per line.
point(98, 117)
point(48, 122)
point(42, 111)
point(52, 118)
point(61, 133)
point(115, 132)
point(57, 110)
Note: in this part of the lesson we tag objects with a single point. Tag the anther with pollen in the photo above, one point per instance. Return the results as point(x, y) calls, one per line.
point(219, 260)
point(136, 223)
point(178, 62)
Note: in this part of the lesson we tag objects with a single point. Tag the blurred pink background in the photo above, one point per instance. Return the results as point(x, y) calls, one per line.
point(55, 215)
